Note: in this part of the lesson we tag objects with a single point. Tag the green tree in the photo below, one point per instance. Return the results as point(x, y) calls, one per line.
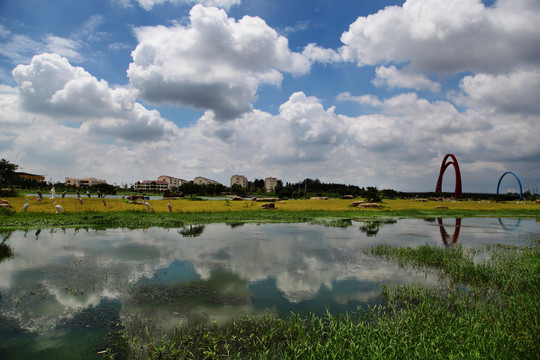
point(238, 189)
point(106, 189)
point(372, 194)
point(7, 171)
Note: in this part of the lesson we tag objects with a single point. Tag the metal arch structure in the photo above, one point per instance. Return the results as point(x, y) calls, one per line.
point(519, 182)
point(458, 190)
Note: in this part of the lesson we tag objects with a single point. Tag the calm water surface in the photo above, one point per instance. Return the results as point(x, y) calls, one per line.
point(62, 291)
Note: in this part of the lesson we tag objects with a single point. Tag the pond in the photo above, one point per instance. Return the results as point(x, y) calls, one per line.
point(63, 290)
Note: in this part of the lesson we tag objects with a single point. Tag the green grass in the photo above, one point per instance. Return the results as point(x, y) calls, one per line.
point(139, 218)
point(487, 310)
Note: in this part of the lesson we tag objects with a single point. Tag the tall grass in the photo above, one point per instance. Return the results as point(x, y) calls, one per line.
point(496, 315)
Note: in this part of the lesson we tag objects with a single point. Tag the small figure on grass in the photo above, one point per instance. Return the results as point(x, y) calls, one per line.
point(58, 207)
point(148, 207)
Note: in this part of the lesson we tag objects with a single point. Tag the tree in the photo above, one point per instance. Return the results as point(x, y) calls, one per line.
point(237, 189)
point(278, 190)
point(372, 194)
point(106, 189)
point(389, 193)
point(7, 171)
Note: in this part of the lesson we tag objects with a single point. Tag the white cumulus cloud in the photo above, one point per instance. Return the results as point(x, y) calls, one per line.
point(214, 63)
point(149, 4)
point(446, 36)
point(51, 86)
point(515, 92)
point(394, 78)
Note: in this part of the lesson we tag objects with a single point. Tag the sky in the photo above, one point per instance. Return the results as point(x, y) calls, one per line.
point(361, 92)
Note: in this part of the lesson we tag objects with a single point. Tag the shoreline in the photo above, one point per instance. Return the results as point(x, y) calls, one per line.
point(140, 219)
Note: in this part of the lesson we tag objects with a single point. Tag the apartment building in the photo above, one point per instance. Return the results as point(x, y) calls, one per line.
point(199, 180)
point(151, 185)
point(240, 180)
point(172, 181)
point(270, 184)
point(28, 176)
point(87, 181)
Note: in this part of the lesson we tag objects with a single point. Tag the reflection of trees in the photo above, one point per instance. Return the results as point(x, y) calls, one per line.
point(234, 225)
point(5, 249)
point(371, 228)
point(192, 231)
point(338, 223)
point(444, 235)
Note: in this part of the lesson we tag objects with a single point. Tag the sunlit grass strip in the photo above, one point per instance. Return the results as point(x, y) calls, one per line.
point(120, 213)
point(501, 322)
point(182, 206)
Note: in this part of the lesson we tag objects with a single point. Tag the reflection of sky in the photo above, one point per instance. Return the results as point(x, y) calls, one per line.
point(282, 266)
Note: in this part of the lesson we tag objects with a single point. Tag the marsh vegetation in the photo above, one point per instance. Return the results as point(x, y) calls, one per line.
point(488, 309)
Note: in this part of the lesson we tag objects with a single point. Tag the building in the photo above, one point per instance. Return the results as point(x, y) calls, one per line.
point(240, 180)
point(151, 185)
point(270, 184)
point(27, 176)
point(87, 181)
point(172, 181)
point(199, 180)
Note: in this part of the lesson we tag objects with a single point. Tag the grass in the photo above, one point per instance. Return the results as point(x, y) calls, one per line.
point(489, 310)
point(120, 213)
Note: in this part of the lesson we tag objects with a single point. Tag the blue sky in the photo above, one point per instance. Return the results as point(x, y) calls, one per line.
point(371, 93)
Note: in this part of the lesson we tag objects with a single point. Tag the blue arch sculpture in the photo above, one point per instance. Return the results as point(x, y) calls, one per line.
point(519, 182)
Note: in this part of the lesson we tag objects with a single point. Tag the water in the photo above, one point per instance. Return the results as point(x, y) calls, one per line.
point(62, 291)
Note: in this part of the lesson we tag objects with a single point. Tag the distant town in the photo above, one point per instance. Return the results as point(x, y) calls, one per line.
point(163, 182)
point(239, 185)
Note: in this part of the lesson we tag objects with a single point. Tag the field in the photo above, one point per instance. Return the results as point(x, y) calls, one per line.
point(72, 205)
point(121, 213)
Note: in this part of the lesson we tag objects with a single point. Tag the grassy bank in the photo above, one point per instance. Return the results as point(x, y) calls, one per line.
point(120, 213)
point(485, 310)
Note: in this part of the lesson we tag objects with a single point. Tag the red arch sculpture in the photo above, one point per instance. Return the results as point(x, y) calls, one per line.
point(444, 166)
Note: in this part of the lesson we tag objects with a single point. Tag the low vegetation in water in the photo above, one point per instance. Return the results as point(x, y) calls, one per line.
point(488, 309)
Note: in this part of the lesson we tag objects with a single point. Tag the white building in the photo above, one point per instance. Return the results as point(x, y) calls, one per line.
point(270, 184)
point(151, 185)
point(172, 181)
point(199, 180)
point(87, 181)
point(240, 180)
